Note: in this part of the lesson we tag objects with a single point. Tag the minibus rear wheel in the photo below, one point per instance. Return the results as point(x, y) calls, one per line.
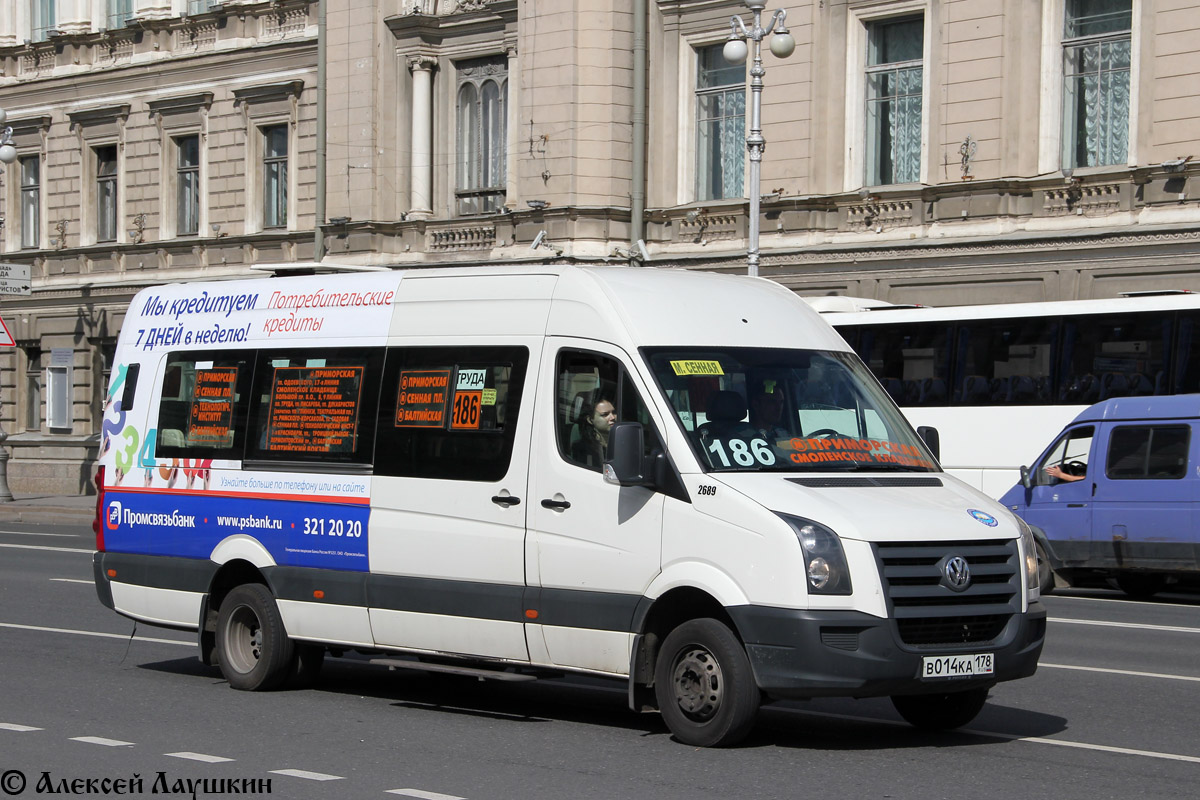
point(253, 649)
point(941, 712)
point(704, 685)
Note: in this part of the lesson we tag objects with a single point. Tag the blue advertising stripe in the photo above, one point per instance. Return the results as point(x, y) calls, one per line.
point(296, 533)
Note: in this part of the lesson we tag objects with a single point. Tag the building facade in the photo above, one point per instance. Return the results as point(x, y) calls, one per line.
point(928, 151)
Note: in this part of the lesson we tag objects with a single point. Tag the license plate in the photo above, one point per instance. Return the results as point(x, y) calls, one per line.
point(935, 667)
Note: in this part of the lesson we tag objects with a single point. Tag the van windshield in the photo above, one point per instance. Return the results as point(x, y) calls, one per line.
point(765, 409)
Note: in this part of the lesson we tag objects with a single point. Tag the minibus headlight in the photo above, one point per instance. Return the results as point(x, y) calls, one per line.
point(825, 566)
point(1029, 552)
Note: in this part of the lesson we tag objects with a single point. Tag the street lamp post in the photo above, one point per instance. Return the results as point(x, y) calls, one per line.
point(8, 154)
point(782, 45)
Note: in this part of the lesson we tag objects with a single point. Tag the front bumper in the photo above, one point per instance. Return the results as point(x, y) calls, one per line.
point(798, 654)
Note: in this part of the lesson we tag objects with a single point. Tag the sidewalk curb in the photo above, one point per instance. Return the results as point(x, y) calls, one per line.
point(57, 516)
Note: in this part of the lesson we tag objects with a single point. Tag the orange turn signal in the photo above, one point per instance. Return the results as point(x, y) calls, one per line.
point(112, 573)
point(319, 594)
point(531, 613)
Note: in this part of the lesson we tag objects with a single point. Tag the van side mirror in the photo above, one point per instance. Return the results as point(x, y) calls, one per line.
point(1026, 477)
point(626, 446)
point(932, 439)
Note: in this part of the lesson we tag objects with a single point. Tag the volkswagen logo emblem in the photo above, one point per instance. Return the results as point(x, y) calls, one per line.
point(956, 573)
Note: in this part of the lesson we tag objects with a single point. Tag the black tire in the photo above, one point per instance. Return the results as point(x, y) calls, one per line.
point(1045, 573)
point(306, 665)
point(1141, 584)
point(941, 712)
point(253, 649)
point(704, 685)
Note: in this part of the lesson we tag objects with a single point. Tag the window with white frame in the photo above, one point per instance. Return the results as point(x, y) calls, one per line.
point(275, 177)
point(201, 6)
point(106, 193)
point(31, 202)
point(119, 12)
point(187, 185)
point(720, 125)
point(43, 18)
point(58, 389)
point(894, 83)
point(482, 122)
point(1097, 57)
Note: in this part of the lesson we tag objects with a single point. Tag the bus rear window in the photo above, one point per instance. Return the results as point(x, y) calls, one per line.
point(203, 405)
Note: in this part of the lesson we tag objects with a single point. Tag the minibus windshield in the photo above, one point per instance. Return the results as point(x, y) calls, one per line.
point(766, 409)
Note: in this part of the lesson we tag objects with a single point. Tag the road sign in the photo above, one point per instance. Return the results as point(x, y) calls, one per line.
point(14, 279)
point(6, 339)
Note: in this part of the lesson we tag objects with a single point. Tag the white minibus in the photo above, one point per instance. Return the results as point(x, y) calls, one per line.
point(683, 481)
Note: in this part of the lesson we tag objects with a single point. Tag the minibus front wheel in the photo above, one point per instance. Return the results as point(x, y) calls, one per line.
point(253, 649)
point(704, 685)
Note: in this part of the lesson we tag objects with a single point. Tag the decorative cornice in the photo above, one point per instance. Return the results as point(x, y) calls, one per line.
point(269, 91)
point(180, 104)
point(30, 124)
point(93, 116)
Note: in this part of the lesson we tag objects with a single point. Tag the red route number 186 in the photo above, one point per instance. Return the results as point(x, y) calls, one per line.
point(466, 410)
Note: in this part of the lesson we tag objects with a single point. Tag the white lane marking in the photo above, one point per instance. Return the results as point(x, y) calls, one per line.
point(47, 547)
point(12, 726)
point(39, 533)
point(306, 775)
point(1134, 625)
point(1125, 601)
point(101, 741)
point(1121, 672)
point(1017, 737)
point(94, 633)
point(199, 757)
point(424, 795)
point(73, 580)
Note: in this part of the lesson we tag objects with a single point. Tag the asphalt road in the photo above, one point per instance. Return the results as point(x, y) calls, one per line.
point(1111, 713)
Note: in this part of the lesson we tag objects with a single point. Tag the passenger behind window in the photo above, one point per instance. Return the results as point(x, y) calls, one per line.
point(595, 421)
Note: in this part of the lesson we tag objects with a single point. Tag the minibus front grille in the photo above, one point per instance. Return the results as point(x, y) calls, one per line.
point(928, 612)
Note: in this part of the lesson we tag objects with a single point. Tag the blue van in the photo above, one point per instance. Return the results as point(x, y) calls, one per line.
point(1117, 495)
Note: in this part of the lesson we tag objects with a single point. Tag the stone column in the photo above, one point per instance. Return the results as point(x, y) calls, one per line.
point(513, 122)
point(421, 190)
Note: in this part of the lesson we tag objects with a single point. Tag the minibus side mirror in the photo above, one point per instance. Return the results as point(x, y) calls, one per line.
point(626, 446)
point(1026, 477)
point(933, 441)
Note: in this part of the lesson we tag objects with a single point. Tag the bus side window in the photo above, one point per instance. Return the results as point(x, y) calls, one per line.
point(129, 391)
point(450, 413)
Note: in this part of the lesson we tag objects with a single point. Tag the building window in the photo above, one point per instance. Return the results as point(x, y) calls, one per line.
point(119, 12)
point(275, 177)
point(201, 6)
point(894, 79)
point(482, 135)
point(33, 388)
point(720, 125)
point(1097, 46)
point(58, 389)
point(187, 185)
point(31, 202)
point(44, 18)
point(106, 193)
